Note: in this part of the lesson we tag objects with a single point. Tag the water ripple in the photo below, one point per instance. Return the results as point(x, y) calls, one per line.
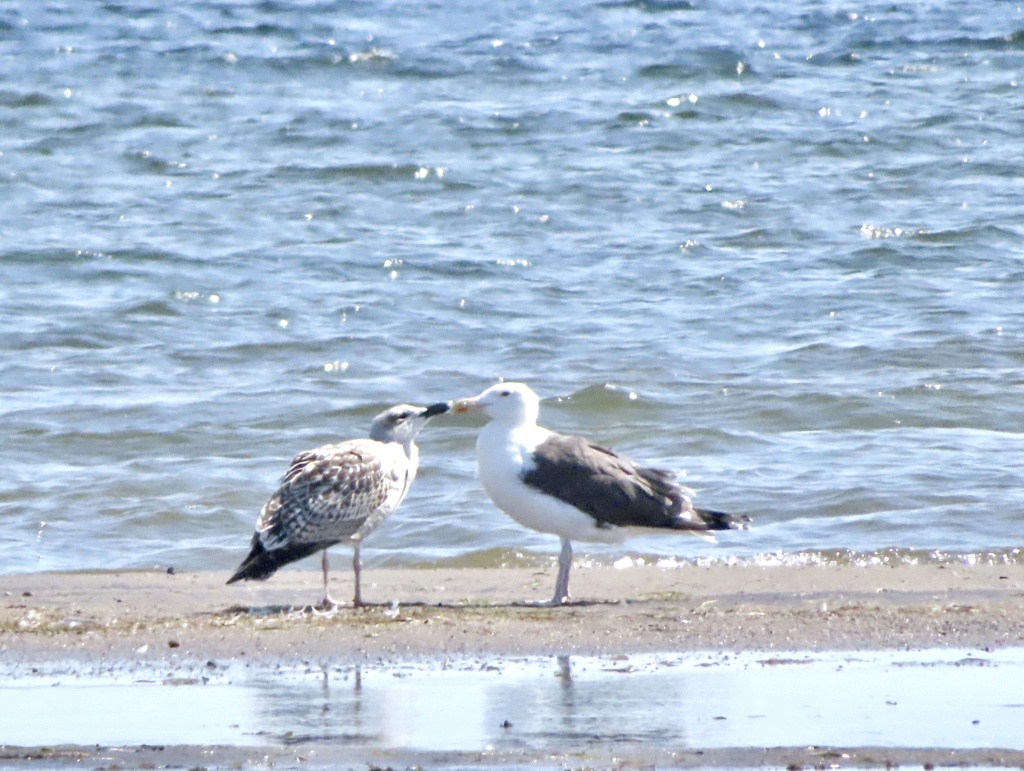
point(773, 248)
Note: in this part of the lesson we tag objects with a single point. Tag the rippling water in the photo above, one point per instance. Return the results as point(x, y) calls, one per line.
point(777, 247)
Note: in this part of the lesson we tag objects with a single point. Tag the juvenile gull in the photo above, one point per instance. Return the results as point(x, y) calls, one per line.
point(565, 485)
point(338, 492)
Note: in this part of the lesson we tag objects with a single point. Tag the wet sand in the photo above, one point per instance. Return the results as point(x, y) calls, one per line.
point(792, 759)
point(177, 621)
point(453, 612)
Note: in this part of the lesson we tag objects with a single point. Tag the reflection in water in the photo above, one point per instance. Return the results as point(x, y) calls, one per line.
point(568, 695)
point(949, 699)
point(332, 708)
point(675, 702)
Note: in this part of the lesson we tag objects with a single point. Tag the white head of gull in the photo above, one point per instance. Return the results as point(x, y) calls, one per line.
point(569, 487)
point(338, 492)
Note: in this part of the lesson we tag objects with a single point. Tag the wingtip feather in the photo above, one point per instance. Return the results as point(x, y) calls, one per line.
point(720, 520)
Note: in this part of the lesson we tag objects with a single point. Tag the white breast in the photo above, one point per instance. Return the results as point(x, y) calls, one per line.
point(503, 456)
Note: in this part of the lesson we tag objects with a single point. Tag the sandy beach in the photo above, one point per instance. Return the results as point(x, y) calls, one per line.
point(178, 621)
point(442, 612)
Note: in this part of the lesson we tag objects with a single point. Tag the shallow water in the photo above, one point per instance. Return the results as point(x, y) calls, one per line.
point(947, 699)
point(775, 247)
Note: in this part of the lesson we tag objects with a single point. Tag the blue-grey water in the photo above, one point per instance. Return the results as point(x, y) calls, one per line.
point(776, 246)
point(524, 713)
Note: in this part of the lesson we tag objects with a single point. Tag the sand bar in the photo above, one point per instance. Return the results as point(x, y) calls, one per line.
point(467, 612)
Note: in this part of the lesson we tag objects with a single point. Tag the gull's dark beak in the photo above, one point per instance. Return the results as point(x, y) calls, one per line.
point(436, 409)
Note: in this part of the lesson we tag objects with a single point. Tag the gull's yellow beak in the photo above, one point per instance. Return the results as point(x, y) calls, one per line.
point(468, 404)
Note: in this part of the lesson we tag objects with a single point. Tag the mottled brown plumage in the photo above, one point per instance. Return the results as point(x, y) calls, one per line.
point(338, 492)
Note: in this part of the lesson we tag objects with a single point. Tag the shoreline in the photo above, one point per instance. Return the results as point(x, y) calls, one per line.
point(426, 613)
point(132, 628)
point(790, 758)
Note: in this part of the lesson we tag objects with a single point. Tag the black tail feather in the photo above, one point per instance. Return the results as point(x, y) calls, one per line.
point(719, 520)
point(262, 564)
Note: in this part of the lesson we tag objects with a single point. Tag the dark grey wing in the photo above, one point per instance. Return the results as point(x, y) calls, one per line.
point(327, 494)
point(610, 488)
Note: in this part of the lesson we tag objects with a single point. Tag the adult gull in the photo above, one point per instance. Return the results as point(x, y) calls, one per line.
point(338, 492)
point(572, 488)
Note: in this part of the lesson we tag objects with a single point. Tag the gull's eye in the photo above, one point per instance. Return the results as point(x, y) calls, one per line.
point(504, 393)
